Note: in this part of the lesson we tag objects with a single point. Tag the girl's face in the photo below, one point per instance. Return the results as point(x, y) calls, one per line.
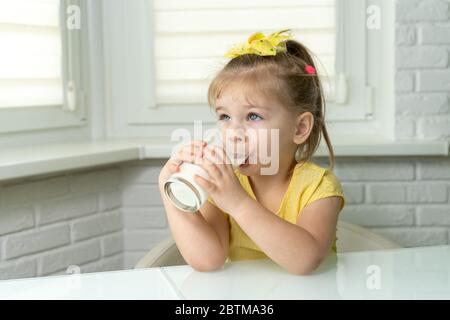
point(262, 129)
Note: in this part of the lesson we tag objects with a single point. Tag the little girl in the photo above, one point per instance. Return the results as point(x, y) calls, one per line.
point(290, 216)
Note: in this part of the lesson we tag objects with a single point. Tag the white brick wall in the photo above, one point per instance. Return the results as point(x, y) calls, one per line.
point(103, 219)
point(416, 212)
point(145, 221)
point(50, 223)
point(404, 199)
point(423, 69)
point(422, 10)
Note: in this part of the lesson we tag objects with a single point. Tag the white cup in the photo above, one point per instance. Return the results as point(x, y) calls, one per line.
point(181, 188)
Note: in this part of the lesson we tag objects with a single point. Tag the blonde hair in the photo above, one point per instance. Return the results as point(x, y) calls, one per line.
point(283, 77)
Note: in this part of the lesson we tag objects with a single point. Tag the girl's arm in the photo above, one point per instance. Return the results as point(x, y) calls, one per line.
point(201, 237)
point(299, 248)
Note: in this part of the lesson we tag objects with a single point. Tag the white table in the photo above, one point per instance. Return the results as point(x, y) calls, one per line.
point(409, 273)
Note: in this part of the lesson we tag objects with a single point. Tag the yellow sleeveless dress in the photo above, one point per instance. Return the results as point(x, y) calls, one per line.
point(309, 182)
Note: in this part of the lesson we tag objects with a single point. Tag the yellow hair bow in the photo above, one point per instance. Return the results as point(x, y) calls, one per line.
point(261, 45)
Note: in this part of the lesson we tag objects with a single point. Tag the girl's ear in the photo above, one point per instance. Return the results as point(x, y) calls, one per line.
point(303, 127)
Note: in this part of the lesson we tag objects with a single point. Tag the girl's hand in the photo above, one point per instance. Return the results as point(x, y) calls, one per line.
point(223, 185)
point(187, 153)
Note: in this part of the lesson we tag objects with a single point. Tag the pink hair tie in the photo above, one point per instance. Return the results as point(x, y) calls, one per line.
point(310, 69)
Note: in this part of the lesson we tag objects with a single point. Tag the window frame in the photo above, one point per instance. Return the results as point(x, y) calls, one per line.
point(130, 64)
point(17, 120)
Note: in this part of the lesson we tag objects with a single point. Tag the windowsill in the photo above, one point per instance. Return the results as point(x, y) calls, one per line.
point(22, 162)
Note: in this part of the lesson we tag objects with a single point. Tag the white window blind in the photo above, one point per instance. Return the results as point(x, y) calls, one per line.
point(191, 38)
point(30, 53)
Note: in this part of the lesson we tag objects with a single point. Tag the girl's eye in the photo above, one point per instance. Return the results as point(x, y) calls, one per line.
point(223, 117)
point(254, 117)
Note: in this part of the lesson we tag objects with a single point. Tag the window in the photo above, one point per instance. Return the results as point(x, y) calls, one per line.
point(40, 78)
point(191, 38)
point(30, 60)
point(161, 55)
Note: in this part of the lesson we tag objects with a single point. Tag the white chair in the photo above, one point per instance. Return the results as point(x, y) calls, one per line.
point(350, 237)
point(164, 254)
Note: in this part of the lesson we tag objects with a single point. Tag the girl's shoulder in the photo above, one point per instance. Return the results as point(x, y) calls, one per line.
point(314, 182)
point(309, 178)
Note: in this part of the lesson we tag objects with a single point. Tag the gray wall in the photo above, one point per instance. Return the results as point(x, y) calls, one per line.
point(49, 223)
point(423, 73)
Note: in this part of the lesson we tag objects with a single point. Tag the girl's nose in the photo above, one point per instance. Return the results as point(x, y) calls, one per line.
point(236, 135)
